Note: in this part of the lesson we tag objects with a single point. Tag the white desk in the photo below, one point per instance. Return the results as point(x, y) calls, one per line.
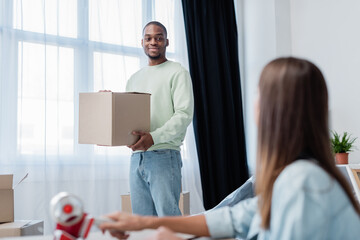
point(346, 170)
point(99, 236)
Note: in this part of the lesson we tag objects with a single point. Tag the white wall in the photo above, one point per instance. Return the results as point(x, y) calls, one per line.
point(327, 32)
point(258, 48)
point(323, 31)
point(264, 34)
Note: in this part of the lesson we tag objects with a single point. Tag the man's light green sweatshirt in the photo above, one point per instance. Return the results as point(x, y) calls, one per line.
point(172, 102)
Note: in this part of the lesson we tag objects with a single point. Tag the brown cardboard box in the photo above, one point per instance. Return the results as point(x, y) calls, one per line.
point(126, 203)
point(109, 118)
point(184, 203)
point(22, 228)
point(6, 198)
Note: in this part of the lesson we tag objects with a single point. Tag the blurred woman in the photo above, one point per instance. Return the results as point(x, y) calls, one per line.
point(300, 192)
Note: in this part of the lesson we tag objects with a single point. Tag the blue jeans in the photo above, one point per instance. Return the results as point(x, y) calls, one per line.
point(155, 182)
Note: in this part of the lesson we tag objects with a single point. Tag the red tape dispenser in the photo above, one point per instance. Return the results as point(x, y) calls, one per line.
point(71, 222)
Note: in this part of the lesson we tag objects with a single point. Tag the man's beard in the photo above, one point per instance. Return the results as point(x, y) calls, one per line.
point(153, 57)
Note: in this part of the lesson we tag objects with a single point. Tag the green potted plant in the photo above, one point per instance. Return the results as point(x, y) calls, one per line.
point(342, 146)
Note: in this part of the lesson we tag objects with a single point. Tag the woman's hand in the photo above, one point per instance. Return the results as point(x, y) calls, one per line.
point(163, 233)
point(123, 222)
point(119, 235)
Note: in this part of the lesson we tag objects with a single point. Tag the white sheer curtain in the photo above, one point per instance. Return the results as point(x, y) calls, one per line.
point(50, 51)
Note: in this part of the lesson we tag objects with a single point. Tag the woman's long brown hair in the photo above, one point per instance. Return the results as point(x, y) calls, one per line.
point(293, 118)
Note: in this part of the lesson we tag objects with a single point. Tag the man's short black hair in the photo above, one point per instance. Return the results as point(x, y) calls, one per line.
point(157, 24)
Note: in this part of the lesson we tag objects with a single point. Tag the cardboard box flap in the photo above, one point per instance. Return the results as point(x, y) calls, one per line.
point(26, 175)
point(6, 181)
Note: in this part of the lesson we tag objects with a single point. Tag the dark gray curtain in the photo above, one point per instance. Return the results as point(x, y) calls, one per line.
point(218, 119)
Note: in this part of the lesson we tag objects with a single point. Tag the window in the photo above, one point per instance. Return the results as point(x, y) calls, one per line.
point(50, 51)
point(59, 48)
point(45, 72)
point(104, 25)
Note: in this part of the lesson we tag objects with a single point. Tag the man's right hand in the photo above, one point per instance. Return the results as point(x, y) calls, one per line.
point(144, 143)
point(121, 222)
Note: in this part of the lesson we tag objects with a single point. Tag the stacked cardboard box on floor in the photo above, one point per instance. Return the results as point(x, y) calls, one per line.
point(9, 227)
point(22, 228)
point(6, 198)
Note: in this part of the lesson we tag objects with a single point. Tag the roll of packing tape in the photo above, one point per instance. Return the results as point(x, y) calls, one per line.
point(66, 209)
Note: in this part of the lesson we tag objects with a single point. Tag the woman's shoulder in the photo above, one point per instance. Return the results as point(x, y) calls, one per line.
point(304, 174)
point(306, 196)
point(306, 179)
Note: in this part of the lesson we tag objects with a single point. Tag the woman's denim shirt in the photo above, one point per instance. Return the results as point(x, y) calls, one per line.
point(306, 204)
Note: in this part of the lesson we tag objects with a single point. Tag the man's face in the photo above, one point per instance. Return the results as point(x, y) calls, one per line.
point(154, 42)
